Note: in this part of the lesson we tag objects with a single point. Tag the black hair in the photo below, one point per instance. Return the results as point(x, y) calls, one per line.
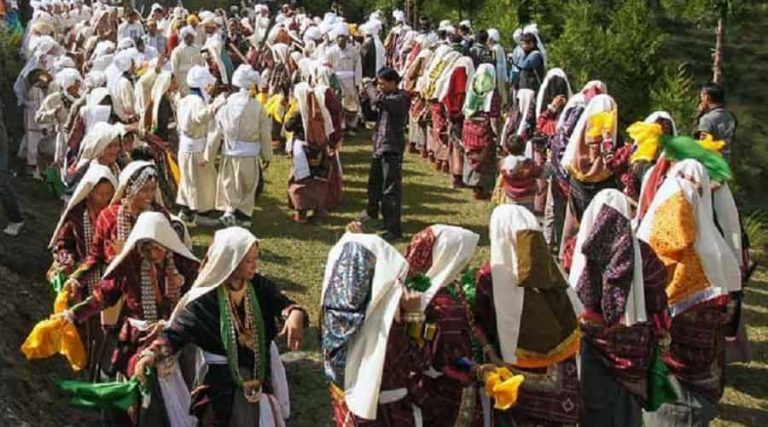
point(465, 29)
point(529, 38)
point(555, 86)
point(715, 92)
point(482, 37)
point(515, 145)
point(388, 74)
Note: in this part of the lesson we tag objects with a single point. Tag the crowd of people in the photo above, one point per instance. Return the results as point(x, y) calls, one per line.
point(612, 296)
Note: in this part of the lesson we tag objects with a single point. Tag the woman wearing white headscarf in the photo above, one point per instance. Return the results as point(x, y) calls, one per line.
point(55, 108)
point(100, 146)
point(447, 387)
point(526, 319)
point(589, 161)
point(147, 278)
point(232, 314)
point(554, 213)
point(195, 118)
point(479, 132)
point(367, 351)
point(702, 270)
point(120, 85)
point(246, 131)
point(625, 323)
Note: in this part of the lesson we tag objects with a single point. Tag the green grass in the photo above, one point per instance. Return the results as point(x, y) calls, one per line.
point(294, 255)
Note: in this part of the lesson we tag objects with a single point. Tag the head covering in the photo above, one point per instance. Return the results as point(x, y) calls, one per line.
point(95, 79)
point(341, 29)
point(63, 62)
point(607, 239)
point(67, 77)
point(481, 90)
point(533, 30)
point(445, 23)
point(185, 31)
point(162, 83)
point(95, 174)
point(398, 15)
point(98, 139)
point(466, 23)
point(125, 43)
point(245, 77)
point(685, 201)
point(523, 273)
point(525, 100)
point(493, 34)
point(440, 252)
point(656, 115)
point(225, 254)
point(554, 73)
point(360, 265)
point(598, 105)
point(200, 77)
point(132, 178)
point(152, 226)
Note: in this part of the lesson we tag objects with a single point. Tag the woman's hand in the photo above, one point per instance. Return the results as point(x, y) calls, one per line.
point(293, 329)
point(147, 360)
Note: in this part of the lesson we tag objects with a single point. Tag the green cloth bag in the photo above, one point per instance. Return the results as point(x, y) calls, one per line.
point(120, 395)
point(660, 389)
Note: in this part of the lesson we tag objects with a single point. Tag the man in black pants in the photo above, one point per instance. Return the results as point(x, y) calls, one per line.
point(7, 195)
point(385, 181)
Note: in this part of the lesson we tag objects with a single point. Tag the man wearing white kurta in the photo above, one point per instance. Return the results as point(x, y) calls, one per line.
point(197, 186)
point(246, 130)
point(184, 57)
point(349, 69)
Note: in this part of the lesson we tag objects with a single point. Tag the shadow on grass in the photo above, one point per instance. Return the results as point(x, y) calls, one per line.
point(742, 377)
point(742, 415)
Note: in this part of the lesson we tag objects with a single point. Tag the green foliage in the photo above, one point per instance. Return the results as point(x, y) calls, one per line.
point(675, 93)
point(756, 228)
point(620, 48)
point(10, 66)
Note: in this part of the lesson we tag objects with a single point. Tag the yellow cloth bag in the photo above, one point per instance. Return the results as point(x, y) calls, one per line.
point(601, 123)
point(503, 388)
point(709, 143)
point(647, 137)
point(56, 335)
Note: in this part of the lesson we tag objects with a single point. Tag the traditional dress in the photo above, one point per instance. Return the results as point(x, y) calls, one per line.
point(621, 284)
point(348, 66)
point(360, 299)
point(183, 58)
point(481, 112)
point(527, 313)
point(446, 390)
point(585, 159)
point(197, 186)
point(120, 86)
point(234, 330)
point(246, 129)
point(701, 271)
point(71, 243)
point(54, 110)
point(146, 291)
point(308, 184)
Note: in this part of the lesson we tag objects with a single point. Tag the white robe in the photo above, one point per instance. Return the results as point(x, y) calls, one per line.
point(197, 185)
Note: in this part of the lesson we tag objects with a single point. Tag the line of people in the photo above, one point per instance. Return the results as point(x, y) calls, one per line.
point(595, 311)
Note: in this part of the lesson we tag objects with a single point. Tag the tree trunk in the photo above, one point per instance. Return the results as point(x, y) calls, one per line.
point(717, 68)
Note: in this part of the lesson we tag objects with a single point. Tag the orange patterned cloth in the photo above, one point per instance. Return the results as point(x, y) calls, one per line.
point(672, 238)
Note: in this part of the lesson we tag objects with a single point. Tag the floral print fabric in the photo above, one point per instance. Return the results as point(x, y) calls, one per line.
point(344, 306)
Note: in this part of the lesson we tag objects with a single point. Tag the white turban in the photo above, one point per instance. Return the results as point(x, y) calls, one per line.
point(493, 34)
point(95, 79)
point(125, 43)
point(399, 15)
point(312, 33)
point(123, 60)
point(67, 77)
point(341, 29)
point(466, 23)
point(200, 77)
point(187, 30)
point(329, 18)
point(444, 24)
point(245, 77)
point(179, 12)
point(63, 62)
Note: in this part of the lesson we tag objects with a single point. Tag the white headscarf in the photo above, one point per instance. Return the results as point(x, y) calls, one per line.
point(635, 311)
point(127, 175)
point(366, 355)
point(720, 264)
point(525, 99)
point(656, 115)
point(225, 254)
point(493, 34)
point(452, 251)
point(508, 297)
point(159, 88)
point(95, 174)
point(97, 140)
point(152, 226)
point(200, 77)
point(555, 72)
point(68, 77)
point(301, 92)
point(533, 29)
point(245, 77)
point(599, 104)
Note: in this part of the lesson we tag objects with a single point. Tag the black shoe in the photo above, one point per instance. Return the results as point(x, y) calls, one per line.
point(391, 237)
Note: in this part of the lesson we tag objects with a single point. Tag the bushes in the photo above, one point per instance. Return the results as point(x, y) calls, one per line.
point(10, 66)
point(675, 92)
